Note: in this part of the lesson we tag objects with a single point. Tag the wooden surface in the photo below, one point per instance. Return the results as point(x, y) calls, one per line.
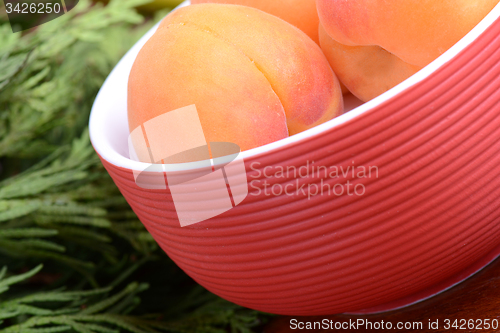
point(476, 298)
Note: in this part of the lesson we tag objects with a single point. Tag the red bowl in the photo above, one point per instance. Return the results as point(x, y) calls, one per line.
point(429, 216)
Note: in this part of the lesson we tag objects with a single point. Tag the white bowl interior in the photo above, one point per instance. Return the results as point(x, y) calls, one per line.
point(109, 125)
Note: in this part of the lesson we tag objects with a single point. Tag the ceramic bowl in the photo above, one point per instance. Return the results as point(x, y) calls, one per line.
point(427, 217)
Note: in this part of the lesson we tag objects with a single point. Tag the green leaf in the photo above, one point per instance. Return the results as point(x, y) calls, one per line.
point(90, 221)
point(18, 278)
point(41, 244)
point(110, 301)
point(35, 186)
point(17, 209)
point(10, 66)
point(26, 232)
point(72, 210)
point(53, 329)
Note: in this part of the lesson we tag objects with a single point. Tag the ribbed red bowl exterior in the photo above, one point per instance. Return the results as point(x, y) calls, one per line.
point(433, 212)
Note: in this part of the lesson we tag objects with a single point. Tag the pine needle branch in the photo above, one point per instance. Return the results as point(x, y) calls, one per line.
point(59, 207)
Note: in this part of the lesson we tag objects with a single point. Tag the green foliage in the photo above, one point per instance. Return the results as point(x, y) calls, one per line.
point(91, 311)
point(102, 271)
point(61, 197)
point(48, 77)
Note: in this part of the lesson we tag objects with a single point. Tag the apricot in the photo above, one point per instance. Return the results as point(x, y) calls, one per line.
point(300, 13)
point(253, 78)
point(367, 71)
point(396, 36)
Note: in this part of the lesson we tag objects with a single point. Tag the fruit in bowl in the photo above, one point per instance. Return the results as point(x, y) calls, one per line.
point(372, 45)
point(300, 13)
point(428, 220)
point(253, 77)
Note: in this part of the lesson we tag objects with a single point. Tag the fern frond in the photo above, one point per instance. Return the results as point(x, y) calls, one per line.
point(6, 282)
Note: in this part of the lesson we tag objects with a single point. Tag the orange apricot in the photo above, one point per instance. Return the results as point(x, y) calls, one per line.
point(300, 13)
point(413, 33)
point(367, 71)
point(253, 78)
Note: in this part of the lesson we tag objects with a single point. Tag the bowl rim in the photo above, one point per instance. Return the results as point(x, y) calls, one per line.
point(102, 145)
